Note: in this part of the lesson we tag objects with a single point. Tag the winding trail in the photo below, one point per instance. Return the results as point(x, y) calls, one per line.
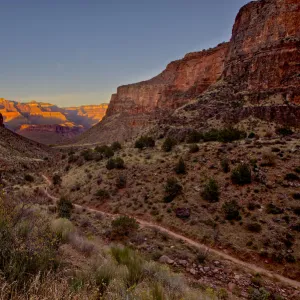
point(249, 266)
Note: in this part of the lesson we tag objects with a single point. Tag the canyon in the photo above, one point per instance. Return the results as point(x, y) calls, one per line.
point(255, 75)
point(48, 123)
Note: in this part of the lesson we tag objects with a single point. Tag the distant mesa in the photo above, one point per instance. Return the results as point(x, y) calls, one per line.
point(48, 123)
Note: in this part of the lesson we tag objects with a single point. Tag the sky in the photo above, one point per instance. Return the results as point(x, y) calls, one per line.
point(77, 52)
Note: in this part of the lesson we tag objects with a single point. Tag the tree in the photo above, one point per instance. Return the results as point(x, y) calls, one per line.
point(64, 207)
point(180, 167)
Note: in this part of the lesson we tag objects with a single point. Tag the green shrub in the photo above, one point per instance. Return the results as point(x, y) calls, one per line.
point(168, 144)
point(194, 148)
point(119, 163)
point(241, 175)
point(180, 167)
point(110, 164)
point(88, 154)
point(296, 196)
point(231, 210)
point(251, 135)
point(297, 170)
point(194, 137)
point(56, 179)
point(211, 191)
point(254, 227)
point(64, 208)
point(273, 209)
point(284, 131)
point(27, 246)
point(29, 178)
point(291, 177)
point(225, 165)
point(144, 142)
point(123, 226)
point(102, 194)
point(172, 190)
point(225, 135)
point(259, 294)
point(105, 150)
point(116, 146)
point(296, 210)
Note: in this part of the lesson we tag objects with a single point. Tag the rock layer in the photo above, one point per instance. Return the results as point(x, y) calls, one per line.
point(259, 72)
point(180, 82)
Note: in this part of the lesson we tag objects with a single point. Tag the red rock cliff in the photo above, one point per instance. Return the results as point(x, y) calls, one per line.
point(264, 50)
point(175, 86)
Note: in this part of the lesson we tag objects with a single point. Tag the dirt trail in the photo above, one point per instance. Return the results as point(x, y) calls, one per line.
point(252, 267)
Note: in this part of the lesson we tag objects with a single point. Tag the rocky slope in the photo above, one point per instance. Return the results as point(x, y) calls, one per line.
point(48, 123)
point(258, 72)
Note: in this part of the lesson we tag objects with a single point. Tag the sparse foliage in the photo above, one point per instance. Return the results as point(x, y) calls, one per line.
point(211, 191)
point(241, 175)
point(172, 189)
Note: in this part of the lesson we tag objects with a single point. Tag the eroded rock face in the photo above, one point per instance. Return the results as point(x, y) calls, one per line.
point(264, 50)
point(175, 86)
point(259, 71)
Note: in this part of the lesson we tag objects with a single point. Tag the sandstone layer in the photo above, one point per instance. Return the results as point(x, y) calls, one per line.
point(255, 75)
point(48, 123)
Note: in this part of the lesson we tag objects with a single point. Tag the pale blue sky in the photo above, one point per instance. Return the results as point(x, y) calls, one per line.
point(73, 52)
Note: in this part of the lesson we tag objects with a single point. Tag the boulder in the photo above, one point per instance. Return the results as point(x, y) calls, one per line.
point(183, 213)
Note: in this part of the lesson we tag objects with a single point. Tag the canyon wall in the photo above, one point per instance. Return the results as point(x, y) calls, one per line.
point(180, 82)
point(256, 74)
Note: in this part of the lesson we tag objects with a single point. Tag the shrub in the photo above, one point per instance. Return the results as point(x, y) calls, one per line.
point(88, 154)
point(254, 227)
point(64, 208)
point(231, 210)
point(119, 163)
point(225, 165)
point(29, 178)
point(56, 179)
point(180, 167)
point(251, 135)
point(27, 246)
point(123, 226)
point(110, 164)
point(121, 181)
point(296, 210)
point(168, 144)
point(268, 159)
point(172, 190)
point(225, 135)
point(102, 194)
point(115, 163)
point(291, 177)
point(105, 150)
point(194, 148)
point(284, 131)
point(211, 191)
point(62, 228)
point(241, 175)
point(296, 227)
point(116, 146)
point(259, 294)
point(297, 170)
point(273, 209)
point(144, 142)
point(296, 196)
point(194, 137)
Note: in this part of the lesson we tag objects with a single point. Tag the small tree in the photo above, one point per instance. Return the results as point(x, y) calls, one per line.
point(123, 226)
point(211, 191)
point(168, 144)
point(64, 208)
point(110, 164)
point(119, 163)
point(172, 189)
point(241, 175)
point(180, 167)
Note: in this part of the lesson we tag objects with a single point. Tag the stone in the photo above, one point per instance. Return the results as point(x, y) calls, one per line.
point(164, 259)
point(183, 263)
point(193, 271)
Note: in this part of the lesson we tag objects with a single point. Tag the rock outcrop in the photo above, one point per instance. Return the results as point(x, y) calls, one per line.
point(256, 74)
